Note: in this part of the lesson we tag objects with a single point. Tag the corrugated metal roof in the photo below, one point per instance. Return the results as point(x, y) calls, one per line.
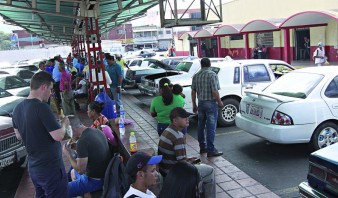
point(58, 20)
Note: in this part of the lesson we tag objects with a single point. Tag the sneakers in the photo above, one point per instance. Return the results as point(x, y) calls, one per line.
point(122, 89)
point(216, 153)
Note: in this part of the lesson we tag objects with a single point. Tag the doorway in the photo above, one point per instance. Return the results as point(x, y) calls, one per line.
point(302, 44)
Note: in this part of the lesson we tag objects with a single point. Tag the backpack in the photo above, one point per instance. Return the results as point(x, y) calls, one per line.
point(116, 181)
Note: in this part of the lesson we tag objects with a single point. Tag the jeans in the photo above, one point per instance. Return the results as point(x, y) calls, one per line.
point(207, 120)
point(83, 184)
point(208, 178)
point(49, 183)
point(117, 99)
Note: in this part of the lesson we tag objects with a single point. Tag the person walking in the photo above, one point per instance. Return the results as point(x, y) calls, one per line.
point(162, 105)
point(319, 55)
point(67, 95)
point(122, 63)
point(115, 73)
point(35, 124)
point(205, 85)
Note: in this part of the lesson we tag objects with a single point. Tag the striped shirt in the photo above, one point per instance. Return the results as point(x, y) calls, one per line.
point(204, 83)
point(171, 147)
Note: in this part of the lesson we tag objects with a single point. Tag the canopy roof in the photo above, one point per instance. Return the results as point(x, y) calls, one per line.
point(228, 29)
point(262, 25)
point(310, 18)
point(59, 20)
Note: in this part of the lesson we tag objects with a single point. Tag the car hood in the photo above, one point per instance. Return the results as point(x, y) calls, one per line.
point(5, 122)
point(183, 78)
point(260, 106)
point(8, 104)
point(22, 91)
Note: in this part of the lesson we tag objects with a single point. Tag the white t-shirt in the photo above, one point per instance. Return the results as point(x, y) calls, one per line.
point(133, 191)
point(108, 80)
point(83, 89)
point(319, 52)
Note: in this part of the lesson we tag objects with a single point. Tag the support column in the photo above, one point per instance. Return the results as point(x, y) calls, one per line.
point(198, 47)
point(219, 51)
point(247, 48)
point(286, 49)
point(93, 41)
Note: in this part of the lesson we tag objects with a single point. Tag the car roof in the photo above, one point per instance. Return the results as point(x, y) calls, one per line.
point(324, 70)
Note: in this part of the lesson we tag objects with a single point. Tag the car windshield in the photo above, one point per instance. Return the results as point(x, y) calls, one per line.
point(12, 82)
point(295, 84)
point(184, 66)
point(4, 93)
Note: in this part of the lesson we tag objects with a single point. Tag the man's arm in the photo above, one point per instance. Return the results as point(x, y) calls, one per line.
point(58, 134)
point(80, 164)
point(17, 134)
point(193, 99)
point(217, 98)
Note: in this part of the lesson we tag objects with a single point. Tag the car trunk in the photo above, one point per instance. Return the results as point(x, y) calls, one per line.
point(161, 75)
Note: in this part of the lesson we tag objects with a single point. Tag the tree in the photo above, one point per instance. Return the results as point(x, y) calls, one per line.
point(4, 41)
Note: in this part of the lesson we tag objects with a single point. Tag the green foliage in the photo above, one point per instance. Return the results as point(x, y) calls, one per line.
point(4, 41)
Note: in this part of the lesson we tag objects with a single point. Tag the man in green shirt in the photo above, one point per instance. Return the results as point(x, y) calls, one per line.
point(122, 63)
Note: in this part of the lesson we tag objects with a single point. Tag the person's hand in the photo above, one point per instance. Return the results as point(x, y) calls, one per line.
point(65, 122)
point(66, 149)
point(220, 104)
point(118, 89)
point(195, 109)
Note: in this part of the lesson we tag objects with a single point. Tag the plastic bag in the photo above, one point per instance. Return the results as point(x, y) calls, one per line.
point(109, 109)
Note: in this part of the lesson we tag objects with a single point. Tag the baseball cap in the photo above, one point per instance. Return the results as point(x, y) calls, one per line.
point(179, 112)
point(320, 44)
point(110, 57)
point(139, 160)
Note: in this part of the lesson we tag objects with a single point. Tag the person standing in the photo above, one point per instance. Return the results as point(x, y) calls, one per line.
point(306, 48)
point(66, 91)
point(56, 76)
point(172, 51)
point(319, 55)
point(205, 85)
point(35, 123)
point(42, 67)
point(122, 63)
point(115, 73)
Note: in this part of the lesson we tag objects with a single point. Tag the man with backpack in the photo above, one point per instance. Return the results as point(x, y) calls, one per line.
point(141, 169)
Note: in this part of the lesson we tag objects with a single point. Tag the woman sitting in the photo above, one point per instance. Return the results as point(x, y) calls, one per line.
point(94, 112)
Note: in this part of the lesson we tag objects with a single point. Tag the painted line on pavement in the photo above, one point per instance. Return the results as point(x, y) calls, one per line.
point(226, 133)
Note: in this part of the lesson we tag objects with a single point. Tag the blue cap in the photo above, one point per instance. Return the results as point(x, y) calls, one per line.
point(139, 160)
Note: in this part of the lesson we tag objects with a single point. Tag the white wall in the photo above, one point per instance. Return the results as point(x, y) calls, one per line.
point(12, 56)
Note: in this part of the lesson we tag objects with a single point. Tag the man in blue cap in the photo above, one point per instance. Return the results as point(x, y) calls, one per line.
point(141, 169)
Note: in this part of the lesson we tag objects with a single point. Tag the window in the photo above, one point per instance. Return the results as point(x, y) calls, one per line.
point(215, 69)
point(236, 37)
point(265, 39)
point(168, 32)
point(120, 31)
point(196, 15)
point(280, 69)
point(236, 75)
point(184, 66)
point(255, 73)
point(332, 90)
point(25, 74)
point(160, 32)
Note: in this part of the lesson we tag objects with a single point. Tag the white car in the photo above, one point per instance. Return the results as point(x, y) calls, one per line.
point(14, 85)
point(299, 107)
point(8, 102)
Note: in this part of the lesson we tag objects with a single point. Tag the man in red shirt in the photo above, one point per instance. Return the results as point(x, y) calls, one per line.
point(66, 91)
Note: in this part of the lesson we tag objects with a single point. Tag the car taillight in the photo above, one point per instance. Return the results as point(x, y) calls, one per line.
point(280, 118)
point(317, 172)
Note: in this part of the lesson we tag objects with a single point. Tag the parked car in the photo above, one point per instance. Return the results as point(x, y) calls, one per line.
point(8, 102)
point(22, 73)
point(14, 85)
point(323, 174)
point(146, 54)
point(147, 67)
point(182, 74)
point(12, 151)
point(235, 77)
point(299, 107)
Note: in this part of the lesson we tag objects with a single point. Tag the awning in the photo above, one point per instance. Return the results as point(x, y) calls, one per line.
point(261, 25)
point(183, 35)
point(228, 29)
point(60, 20)
point(309, 18)
point(205, 33)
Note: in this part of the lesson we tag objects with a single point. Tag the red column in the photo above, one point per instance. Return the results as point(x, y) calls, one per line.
point(219, 51)
point(198, 47)
point(247, 49)
point(286, 49)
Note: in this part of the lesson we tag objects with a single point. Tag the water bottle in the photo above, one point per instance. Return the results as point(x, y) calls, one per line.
point(69, 131)
point(133, 143)
point(122, 112)
point(121, 126)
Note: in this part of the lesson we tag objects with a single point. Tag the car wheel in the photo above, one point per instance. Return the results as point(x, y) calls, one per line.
point(227, 115)
point(325, 135)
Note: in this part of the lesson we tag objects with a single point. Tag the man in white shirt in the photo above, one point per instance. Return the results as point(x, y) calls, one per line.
point(141, 168)
point(319, 55)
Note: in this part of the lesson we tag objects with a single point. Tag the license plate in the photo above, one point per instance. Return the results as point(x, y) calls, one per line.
point(7, 161)
point(256, 110)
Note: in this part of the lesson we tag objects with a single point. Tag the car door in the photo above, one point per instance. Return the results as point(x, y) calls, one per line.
point(330, 96)
point(255, 77)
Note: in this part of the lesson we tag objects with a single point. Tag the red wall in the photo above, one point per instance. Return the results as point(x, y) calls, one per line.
point(182, 53)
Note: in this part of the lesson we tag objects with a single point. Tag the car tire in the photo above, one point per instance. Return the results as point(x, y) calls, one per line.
point(227, 115)
point(16, 165)
point(325, 135)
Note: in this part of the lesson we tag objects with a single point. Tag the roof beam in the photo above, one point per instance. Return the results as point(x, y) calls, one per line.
point(34, 10)
point(127, 7)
